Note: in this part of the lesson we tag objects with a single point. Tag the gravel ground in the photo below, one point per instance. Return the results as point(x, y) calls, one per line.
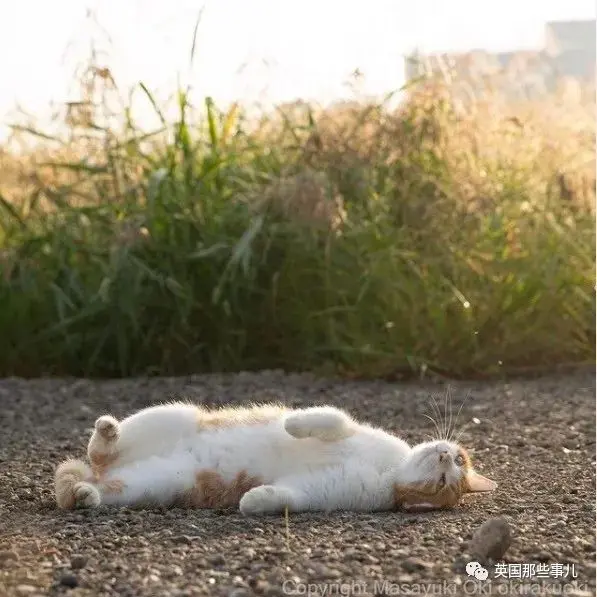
point(536, 438)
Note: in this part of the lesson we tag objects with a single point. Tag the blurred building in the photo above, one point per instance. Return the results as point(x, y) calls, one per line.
point(568, 58)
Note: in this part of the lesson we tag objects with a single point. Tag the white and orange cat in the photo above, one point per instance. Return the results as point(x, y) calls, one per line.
point(262, 459)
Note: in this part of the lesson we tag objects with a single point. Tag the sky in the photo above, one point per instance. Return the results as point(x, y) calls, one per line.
point(255, 50)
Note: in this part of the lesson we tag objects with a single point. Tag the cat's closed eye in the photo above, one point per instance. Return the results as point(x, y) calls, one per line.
point(459, 460)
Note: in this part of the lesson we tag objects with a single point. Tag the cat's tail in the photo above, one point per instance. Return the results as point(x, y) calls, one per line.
point(73, 484)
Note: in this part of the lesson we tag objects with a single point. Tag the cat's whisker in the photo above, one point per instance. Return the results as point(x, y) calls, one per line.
point(435, 425)
point(438, 413)
point(460, 410)
point(446, 413)
point(440, 418)
point(445, 420)
point(449, 400)
point(462, 430)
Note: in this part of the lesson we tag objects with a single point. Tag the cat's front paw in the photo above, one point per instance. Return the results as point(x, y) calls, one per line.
point(86, 495)
point(265, 499)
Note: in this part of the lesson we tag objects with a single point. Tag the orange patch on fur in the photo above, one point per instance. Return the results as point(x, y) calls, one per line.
point(232, 417)
point(467, 459)
point(100, 461)
point(447, 496)
point(212, 491)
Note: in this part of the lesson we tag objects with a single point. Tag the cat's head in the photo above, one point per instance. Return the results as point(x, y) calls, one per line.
point(437, 475)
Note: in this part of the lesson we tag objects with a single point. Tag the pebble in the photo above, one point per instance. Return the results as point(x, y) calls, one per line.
point(239, 592)
point(69, 580)
point(217, 560)
point(184, 539)
point(78, 561)
point(491, 540)
point(7, 555)
point(323, 572)
point(258, 585)
point(405, 578)
point(416, 564)
point(26, 589)
point(459, 564)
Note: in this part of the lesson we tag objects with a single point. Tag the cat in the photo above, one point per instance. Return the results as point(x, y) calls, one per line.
point(262, 459)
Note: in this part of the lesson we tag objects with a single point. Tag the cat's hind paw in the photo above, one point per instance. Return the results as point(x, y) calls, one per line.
point(86, 495)
point(69, 474)
point(102, 448)
point(265, 499)
point(107, 427)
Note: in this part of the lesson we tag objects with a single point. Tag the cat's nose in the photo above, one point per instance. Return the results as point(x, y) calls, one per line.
point(444, 456)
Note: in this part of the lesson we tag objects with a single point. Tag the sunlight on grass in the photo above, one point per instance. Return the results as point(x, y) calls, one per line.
point(444, 236)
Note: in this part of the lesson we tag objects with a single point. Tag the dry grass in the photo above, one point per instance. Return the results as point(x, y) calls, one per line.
point(452, 234)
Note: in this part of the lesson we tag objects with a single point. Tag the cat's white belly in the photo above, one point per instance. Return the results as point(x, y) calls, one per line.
point(272, 454)
point(264, 454)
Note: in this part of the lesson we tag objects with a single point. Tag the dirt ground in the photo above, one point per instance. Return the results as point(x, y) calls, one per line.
point(536, 438)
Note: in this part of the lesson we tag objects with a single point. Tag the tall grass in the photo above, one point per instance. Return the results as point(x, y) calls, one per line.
point(444, 236)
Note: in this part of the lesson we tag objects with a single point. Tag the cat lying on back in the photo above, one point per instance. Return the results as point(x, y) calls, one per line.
point(262, 459)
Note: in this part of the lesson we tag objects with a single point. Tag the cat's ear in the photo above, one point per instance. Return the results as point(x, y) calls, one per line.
point(476, 482)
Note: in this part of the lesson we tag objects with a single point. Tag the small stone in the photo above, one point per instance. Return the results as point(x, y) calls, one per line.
point(258, 585)
point(323, 572)
point(217, 560)
point(78, 561)
point(459, 565)
point(7, 555)
point(26, 589)
point(416, 564)
point(491, 540)
point(183, 539)
point(239, 592)
point(69, 580)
